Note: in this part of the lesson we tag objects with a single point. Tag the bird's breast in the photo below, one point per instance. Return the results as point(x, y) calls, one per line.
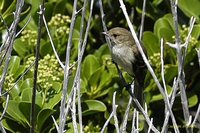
point(124, 57)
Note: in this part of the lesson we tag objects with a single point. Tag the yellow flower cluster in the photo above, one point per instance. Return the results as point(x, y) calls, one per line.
point(9, 81)
point(60, 23)
point(184, 33)
point(30, 37)
point(155, 60)
point(90, 128)
point(48, 71)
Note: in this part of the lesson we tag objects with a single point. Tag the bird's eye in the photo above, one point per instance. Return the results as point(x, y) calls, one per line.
point(114, 35)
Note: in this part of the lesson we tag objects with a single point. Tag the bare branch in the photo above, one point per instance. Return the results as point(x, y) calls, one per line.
point(142, 20)
point(40, 24)
point(10, 41)
point(124, 123)
point(198, 54)
point(52, 44)
point(114, 107)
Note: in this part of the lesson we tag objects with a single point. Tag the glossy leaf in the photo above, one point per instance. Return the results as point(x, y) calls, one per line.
point(90, 65)
point(21, 48)
point(53, 101)
point(27, 83)
point(95, 77)
point(151, 43)
point(93, 106)
point(190, 7)
point(14, 111)
point(163, 27)
point(24, 108)
point(14, 64)
point(42, 117)
point(193, 100)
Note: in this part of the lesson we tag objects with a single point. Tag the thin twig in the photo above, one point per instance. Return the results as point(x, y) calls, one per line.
point(163, 78)
point(5, 108)
point(52, 44)
point(104, 24)
point(77, 76)
point(67, 70)
point(6, 37)
point(180, 59)
point(196, 117)
point(80, 56)
point(54, 121)
point(162, 66)
point(115, 113)
point(1, 128)
point(28, 21)
point(124, 123)
point(198, 55)
point(25, 72)
point(133, 128)
point(40, 25)
point(73, 112)
point(137, 122)
point(142, 20)
point(10, 41)
point(107, 122)
point(149, 130)
point(167, 114)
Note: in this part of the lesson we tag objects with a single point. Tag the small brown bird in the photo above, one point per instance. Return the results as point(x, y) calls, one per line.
point(126, 54)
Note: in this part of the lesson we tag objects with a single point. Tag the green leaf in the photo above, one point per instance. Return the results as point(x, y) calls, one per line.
point(151, 43)
point(53, 101)
point(20, 48)
point(193, 100)
point(25, 107)
point(2, 5)
point(93, 106)
point(106, 78)
point(156, 98)
point(15, 113)
point(27, 83)
point(196, 31)
point(157, 2)
point(166, 33)
point(170, 72)
point(90, 65)
point(15, 91)
point(164, 27)
point(57, 86)
point(190, 7)
point(14, 126)
point(14, 64)
point(9, 9)
point(103, 92)
point(45, 48)
point(26, 96)
point(19, 71)
point(103, 50)
point(42, 117)
point(95, 77)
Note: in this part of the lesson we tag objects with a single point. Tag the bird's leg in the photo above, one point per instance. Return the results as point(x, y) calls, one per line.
point(127, 86)
point(130, 90)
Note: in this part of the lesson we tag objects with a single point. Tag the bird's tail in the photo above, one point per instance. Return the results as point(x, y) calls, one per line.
point(138, 92)
point(140, 75)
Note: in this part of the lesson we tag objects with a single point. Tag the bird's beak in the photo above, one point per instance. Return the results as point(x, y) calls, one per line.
point(105, 33)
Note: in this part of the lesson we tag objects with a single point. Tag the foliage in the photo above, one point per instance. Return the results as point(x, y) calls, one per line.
point(99, 77)
point(48, 94)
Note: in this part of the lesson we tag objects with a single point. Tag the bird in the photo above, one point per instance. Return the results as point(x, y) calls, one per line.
point(125, 53)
